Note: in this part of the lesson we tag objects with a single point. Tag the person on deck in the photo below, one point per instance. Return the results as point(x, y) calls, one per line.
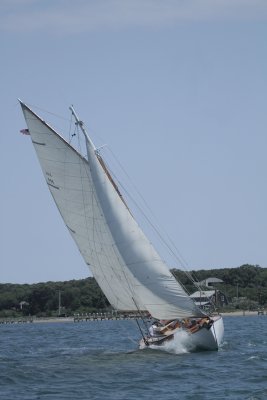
point(154, 329)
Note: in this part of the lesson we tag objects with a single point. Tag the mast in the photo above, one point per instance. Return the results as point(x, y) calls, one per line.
point(100, 159)
point(81, 125)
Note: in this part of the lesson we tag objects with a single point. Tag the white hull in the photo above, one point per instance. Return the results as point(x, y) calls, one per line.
point(208, 339)
point(203, 339)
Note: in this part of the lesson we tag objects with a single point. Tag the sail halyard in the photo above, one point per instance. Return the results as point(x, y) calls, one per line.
point(124, 263)
point(101, 161)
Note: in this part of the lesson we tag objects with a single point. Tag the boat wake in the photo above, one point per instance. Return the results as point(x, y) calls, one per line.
point(180, 344)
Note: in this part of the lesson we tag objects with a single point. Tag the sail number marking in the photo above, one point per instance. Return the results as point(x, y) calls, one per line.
point(50, 181)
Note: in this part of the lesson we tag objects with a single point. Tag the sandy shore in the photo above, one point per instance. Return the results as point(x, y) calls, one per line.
point(42, 320)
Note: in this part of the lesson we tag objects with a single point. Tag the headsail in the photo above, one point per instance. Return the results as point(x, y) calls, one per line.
point(125, 264)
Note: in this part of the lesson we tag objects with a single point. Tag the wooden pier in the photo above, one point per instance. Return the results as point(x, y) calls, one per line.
point(23, 320)
point(104, 317)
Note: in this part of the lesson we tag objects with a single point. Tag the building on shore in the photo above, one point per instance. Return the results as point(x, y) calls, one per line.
point(209, 296)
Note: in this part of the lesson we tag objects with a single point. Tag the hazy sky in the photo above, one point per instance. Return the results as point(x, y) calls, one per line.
point(177, 89)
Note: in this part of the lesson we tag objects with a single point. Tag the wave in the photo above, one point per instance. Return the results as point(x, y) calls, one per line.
point(180, 344)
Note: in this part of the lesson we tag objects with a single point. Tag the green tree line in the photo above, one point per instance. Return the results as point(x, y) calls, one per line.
point(80, 296)
point(43, 299)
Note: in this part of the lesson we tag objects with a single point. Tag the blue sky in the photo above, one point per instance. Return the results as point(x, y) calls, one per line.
point(177, 89)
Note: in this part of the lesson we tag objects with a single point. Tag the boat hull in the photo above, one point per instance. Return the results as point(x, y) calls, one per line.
point(203, 339)
point(208, 339)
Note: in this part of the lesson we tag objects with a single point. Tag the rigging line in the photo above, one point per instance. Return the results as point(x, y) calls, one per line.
point(160, 236)
point(70, 129)
point(140, 313)
point(79, 139)
point(176, 256)
point(48, 112)
point(130, 180)
point(181, 259)
point(142, 333)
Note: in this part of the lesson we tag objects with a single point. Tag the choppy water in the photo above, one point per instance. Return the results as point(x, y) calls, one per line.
point(100, 360)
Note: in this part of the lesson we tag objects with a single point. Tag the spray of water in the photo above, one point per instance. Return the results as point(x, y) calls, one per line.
point(180, 344)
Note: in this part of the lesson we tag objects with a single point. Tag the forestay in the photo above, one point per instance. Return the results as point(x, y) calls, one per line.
point(125, 264)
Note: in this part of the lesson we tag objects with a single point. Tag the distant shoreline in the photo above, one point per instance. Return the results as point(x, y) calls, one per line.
point(240, 313)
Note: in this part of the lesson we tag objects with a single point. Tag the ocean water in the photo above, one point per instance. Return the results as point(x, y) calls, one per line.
point(101, 360)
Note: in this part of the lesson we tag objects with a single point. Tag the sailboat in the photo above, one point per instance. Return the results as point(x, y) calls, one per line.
point(125, 264)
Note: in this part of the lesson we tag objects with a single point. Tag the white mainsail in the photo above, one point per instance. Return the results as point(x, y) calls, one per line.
point(124, 263)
